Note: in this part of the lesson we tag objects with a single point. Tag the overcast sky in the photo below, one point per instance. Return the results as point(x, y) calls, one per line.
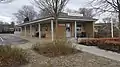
point(6, 10)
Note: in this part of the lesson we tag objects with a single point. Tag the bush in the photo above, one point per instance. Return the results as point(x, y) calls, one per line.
point(90, 42)
point(111, 44)
point(11, 57)
point(54, 49)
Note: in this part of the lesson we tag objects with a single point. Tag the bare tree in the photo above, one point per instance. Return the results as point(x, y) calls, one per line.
point(87, 12)
point(25, 12)
point(6, 1)
point(107, 20)
point(68, 10)
point(112, 6)
point(54, 7)
point(1, 22)
point(44, 14)
point(12, 24)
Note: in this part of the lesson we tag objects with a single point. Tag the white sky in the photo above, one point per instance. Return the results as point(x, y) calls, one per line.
point(7, 10)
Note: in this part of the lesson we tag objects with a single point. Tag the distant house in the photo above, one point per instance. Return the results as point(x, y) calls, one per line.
point(6, 28)
point(104, 30)
point(68, 26)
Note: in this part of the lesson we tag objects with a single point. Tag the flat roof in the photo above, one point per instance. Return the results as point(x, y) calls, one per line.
point(70, 18)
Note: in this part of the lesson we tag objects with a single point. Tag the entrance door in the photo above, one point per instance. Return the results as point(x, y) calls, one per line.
point(68, 30)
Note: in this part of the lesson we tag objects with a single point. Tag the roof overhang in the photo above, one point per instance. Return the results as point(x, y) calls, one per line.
point(36, 21)
point(78, 19)
point(51, 18)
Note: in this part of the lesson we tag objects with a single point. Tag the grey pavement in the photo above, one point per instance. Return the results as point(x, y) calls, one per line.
point(98, 52)
point(11, 39)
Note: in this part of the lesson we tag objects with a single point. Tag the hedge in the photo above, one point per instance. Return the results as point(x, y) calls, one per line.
point(112, 44)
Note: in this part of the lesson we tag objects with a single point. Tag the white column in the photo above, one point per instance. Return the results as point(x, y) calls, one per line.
point(31, 30)
point(112, 28)
point(21, 30)
point(39, 28)
point(75, 30)
point(93, 29)
point(25, 31)
point(52, 30)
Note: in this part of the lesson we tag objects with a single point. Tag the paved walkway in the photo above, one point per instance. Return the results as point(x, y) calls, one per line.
point(98, 52)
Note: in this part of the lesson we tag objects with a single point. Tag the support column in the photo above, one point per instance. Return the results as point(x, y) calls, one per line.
point(25, 31)
point(52, 30)
point(75, 30)
point(31, 30)
point(39, 28)
point(21, 30)
point(93, 29)
point(112, 34)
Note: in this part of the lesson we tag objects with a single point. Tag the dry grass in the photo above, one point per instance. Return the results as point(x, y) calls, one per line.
point(54, 49)
point(12, 57)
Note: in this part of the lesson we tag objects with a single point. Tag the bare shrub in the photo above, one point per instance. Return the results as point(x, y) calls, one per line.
point(12, 57)
point(54, 49)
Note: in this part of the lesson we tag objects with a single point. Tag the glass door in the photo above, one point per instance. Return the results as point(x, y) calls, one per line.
point(68, 30)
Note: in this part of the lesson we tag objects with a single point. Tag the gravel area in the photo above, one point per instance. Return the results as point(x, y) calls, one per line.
point(76, 60)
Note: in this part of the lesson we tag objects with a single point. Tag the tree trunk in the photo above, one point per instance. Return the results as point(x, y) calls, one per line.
point(119, 23)
point(118, 3)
